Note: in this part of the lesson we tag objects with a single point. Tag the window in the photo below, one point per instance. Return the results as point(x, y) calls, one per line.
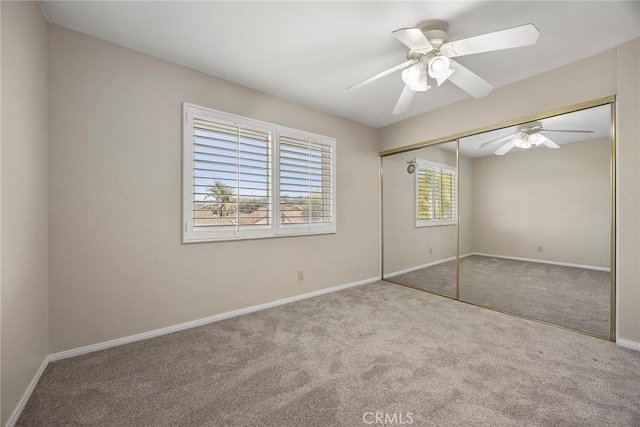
point(435, 189)
point(306, 181)
point(245, 179)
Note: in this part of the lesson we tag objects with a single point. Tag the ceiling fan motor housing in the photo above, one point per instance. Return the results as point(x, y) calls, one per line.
point(529, 128)
point(435, 35)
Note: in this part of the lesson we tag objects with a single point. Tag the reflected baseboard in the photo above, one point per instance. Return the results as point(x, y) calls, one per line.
point(415, 288)
point(540, 261)
point(418, 267)
point(543, 261)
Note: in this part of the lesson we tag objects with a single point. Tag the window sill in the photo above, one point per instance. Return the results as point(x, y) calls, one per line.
point(208, 239)
point(435, 223)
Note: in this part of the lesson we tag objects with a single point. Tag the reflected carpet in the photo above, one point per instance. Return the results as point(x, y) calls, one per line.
point(576, 298)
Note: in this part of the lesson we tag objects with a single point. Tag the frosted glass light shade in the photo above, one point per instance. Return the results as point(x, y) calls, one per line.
point(411, 75)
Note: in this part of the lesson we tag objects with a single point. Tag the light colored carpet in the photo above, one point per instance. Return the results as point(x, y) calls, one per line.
point(329, 360)
point(576, 298)
point(439, 279)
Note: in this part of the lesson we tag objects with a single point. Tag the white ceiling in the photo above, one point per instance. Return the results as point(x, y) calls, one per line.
point(309, 52)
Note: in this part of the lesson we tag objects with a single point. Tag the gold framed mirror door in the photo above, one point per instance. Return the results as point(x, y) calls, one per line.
point(534, 226)
point(420, 217)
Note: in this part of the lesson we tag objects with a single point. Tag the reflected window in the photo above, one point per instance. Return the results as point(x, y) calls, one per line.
point(435, 194)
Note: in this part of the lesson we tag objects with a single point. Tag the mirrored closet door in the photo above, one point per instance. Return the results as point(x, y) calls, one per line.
point(419, 218)
point(538, 229)
point(517, 219)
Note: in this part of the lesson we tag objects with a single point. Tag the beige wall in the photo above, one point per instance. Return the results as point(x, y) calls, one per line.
point(406, 246)
point(614, 72)
point(24, 199)
point(117, 266)
point(557, 199)
point(628, 182)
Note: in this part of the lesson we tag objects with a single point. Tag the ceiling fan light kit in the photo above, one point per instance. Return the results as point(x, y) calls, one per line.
point(411, 75)
point(522, 141)
point(430, 55)
point(536, 139)
point(421, 85)
point(438, 66)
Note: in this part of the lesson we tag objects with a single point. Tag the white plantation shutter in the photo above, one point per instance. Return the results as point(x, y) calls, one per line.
point(448, 194)
point(436, 193)
point(306, 176)
point(231, 174)
point(425, 183)
point(235, 186)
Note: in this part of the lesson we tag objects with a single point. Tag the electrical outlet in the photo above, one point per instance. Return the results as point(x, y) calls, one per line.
point(300, 275)
point(430, 251)
point(539, 248)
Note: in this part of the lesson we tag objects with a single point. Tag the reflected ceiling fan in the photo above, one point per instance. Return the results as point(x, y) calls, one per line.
point(430, 55)
point(527, 135)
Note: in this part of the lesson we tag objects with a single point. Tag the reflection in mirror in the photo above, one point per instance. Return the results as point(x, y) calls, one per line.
point(419, 218)
point(538, 220)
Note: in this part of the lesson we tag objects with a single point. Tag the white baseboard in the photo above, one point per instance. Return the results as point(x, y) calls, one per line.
point(631, 345)
point(13, 419)
point(541, 261)
point(200, 322)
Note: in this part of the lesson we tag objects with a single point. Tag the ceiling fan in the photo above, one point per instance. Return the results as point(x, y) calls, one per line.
point(430, 55)
point(527, 135)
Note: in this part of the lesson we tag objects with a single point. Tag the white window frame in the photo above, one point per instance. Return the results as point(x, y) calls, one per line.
point(192, 234)
point(426, 164)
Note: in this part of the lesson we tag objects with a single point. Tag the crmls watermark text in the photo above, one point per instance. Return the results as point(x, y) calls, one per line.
point(388, 418)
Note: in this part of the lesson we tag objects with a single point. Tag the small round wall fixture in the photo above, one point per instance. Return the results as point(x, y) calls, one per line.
point(412, 167)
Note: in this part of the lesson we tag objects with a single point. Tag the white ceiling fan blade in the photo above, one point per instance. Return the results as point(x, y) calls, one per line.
point(382, 74)
point(443, 78)
point(524, 35)
point(504, 149)
point(469, 81)
point(414, 39)
point(404, 101)
point(549, 143)
point(574, 131)
point(496, 141)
